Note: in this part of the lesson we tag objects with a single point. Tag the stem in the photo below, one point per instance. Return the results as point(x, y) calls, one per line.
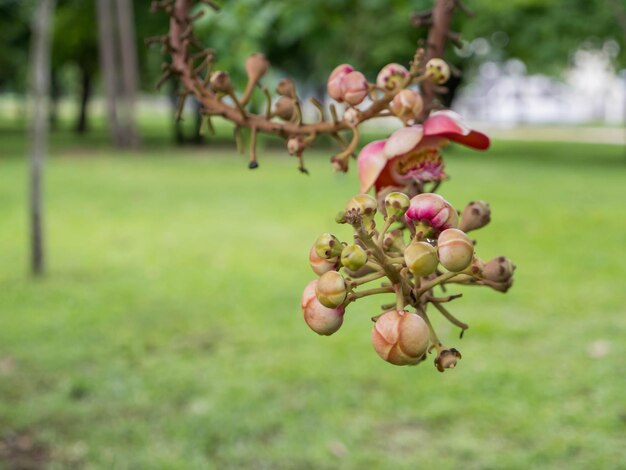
point(438, 280)
point(366, 293)
point(381, 235)
point(433, 336)
point(399, 297)
point(367, 278)
point(451, 318)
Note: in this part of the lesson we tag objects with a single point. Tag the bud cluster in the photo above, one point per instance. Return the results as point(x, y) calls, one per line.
point(421, 245)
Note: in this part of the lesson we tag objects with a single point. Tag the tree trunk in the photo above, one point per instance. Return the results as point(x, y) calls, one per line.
point(108, 66)
point(128, 55)
point(40, 92)
point(85, 93)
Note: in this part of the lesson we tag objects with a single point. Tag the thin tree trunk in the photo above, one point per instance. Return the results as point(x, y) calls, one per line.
point(40, 92)
point(108, 66)
point(128, 55)
point(85, 93)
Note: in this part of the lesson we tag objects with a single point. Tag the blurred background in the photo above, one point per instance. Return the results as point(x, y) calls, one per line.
point(164, 329)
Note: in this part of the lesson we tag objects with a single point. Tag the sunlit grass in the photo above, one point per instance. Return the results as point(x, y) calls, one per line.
point(168, 334)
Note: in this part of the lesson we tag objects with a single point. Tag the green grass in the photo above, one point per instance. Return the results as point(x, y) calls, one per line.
point(168, 333)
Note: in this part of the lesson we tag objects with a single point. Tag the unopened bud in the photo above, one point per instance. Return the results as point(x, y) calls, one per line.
point(394, 241)
point(335, 81)
point(256, 66)
point(455, 250)
point(432, 213)
point(220, 82)
point(447, 359)
point(499, 269)
point(407, 104)
point(286, 88)
point(421, 258)
point(351, 116)
point(331, 289)
point(396, 204)
point(391, 77)
point(353, 257)
point(438, 70)
point(476, 215)
point(321, 265)
point(327, 246)
point(354, 88)
point(295, 145)
point(284, 108)
point(365, 206)
point(324, 321)
point(400, 337)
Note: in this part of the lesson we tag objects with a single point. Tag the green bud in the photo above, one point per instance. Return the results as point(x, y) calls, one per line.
point(396, 204)
point(331, 289)
point(327, 246)
point(421, 258)
point(365, 206)
point(455, 250)
point(353, 257)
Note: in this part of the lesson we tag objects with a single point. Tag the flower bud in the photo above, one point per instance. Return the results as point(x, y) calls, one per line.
point(365, 206)
point(284, 108)
point(407, 104)
point(394, 241)
point(430, 210)
point(499, 269)
point(400, 337)
point(396, 204)
point(447, 359)
point(438, 70)
point(353, 257)
point(331, 289)
point(327, 246)
point(476, 215)
point(391, 77)
point(335, 81)
point(421, 258)
point(455, 250)
point(286, 88)
point(220, 82)
point(351, 116)
point(354, 88)
point(256, 66)
point(295, 145)
point(324, 321)
point(321, 265)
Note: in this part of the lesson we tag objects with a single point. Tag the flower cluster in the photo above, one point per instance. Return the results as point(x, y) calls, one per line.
point(421, 246)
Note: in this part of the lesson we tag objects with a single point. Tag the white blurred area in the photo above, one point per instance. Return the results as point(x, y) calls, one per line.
point(587, 103)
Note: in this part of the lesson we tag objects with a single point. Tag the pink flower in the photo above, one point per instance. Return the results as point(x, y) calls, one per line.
point(412, 153)
point(354, 88)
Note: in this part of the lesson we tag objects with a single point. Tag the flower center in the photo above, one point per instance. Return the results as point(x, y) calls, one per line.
point(423, 165)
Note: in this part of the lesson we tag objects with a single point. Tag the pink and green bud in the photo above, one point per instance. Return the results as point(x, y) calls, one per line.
point(447, 359)
point(321, 265)
point(324, 321)
point(331, 289)
point(327, 246)
point(455, 250)
point(400, 337)
point(421, 258)
point(431, 214)
point(396, 204)
point(438, 70)
point(499, 269)
point(335, 81)
point(392, 77)
point(476, 215)
point(407, 104)
point(353, 257)
point(354, 88)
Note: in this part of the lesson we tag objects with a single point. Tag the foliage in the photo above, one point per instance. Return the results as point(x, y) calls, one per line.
point(157, 341)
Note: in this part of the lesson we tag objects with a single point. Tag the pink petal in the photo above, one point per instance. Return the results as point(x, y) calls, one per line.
point(371, 162)
point(450, 124)
point(403, 141)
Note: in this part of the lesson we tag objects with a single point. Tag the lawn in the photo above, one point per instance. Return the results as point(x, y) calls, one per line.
point(168, 332)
